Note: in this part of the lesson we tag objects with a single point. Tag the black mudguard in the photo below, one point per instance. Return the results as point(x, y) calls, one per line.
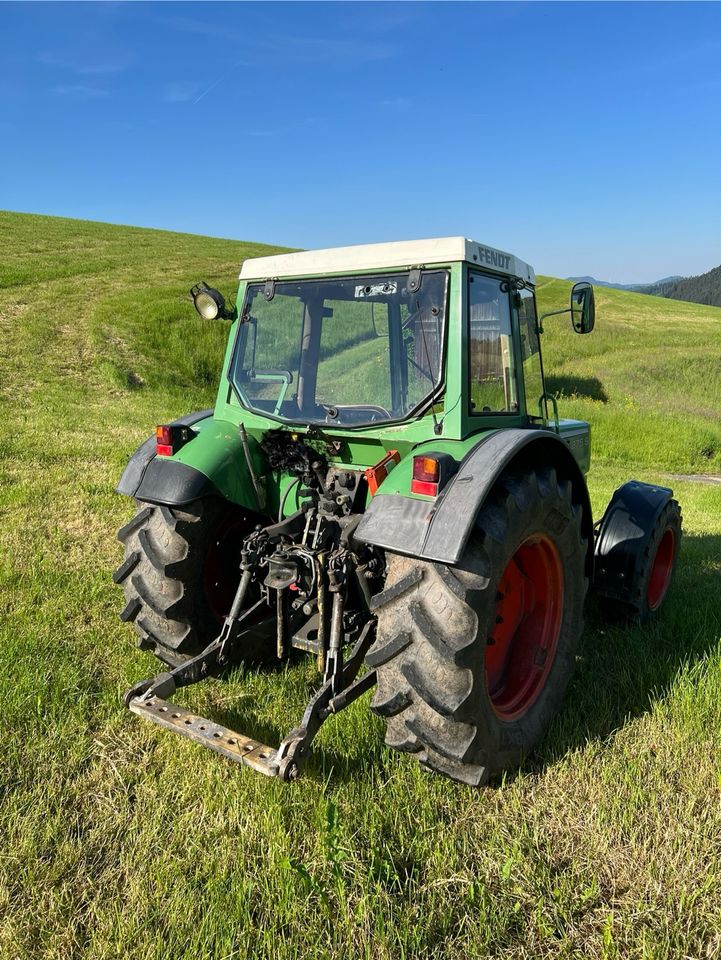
point(439, 530)
point(165, 481)
point(623, 534)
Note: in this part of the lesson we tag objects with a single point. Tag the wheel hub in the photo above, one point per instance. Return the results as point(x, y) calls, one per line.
point(660, 578)
point(529, 610)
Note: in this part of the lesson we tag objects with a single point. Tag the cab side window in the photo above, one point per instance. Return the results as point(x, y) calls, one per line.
point(492, 386)
point(530, 354)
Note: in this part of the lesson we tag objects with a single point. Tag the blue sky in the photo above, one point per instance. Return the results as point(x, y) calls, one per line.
point(585, 138)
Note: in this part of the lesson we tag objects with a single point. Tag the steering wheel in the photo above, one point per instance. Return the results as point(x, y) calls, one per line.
point(381, 411)
point(356, 410)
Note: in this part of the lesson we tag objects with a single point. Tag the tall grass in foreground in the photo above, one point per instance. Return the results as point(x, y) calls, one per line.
point(117, 839)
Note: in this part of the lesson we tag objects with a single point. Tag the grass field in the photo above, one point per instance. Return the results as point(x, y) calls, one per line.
point(118, 840)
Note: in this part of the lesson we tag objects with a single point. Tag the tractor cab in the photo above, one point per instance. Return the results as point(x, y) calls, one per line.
point(356, 337)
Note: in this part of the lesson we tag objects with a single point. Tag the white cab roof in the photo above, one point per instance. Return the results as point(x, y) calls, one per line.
point(376, 256)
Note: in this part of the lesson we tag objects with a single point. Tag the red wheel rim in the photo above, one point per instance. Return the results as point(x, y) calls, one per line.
point(529, 610)
point(222, 563)
point(661, 570)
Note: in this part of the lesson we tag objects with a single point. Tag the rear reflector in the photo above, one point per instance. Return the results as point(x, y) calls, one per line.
point(425, 487)
point(377, 474)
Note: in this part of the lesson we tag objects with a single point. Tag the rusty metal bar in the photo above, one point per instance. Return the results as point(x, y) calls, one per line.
point(282, 762)
point(280, 624)
point(322, 631)
point(234, 746)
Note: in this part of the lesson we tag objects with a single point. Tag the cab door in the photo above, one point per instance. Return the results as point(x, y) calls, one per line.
point(492, 385)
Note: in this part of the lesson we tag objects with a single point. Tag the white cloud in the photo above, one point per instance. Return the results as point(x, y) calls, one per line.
point(109, 65)
point(80, 91)
point(180, 92)
point(294, 49)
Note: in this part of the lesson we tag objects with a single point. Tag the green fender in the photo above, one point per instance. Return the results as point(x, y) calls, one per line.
point(438, 528)
point(212, 463)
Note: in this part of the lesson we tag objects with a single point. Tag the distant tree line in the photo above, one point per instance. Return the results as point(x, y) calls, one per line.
point(703, 289)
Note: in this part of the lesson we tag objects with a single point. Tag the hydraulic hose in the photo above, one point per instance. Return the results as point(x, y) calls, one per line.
point(290, 486)
point(249, 463)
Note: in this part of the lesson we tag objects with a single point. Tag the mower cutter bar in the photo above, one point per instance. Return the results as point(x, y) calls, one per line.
point(234, 746)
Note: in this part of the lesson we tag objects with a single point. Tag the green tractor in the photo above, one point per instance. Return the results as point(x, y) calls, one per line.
point(385, 484)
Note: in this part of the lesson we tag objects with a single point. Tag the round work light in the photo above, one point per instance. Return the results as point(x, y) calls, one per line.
point(209, 303)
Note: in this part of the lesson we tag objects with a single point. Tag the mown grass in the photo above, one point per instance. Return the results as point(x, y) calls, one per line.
point(118, 840)
point(648, 378)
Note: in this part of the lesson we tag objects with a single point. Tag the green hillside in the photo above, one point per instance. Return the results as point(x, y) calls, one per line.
point(117, 840)
point(648, 378)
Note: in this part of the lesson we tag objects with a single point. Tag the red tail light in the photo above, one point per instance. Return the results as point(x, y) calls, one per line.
point(169, 438)
point(426, 476)
point(164, 441)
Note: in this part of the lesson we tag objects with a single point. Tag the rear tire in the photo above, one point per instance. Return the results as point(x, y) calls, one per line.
point(470, 695)
point(180, 573)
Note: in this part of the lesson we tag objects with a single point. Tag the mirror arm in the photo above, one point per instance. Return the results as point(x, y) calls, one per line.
point(553, 313)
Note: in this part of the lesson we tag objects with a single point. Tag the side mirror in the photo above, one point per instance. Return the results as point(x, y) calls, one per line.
point(583, 307)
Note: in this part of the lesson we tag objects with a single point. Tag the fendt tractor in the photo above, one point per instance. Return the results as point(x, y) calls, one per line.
point(384, 484)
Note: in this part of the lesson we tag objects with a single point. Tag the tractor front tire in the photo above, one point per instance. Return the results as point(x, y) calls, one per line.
point(646, 587)
point(179, 575)
point(473, 660)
